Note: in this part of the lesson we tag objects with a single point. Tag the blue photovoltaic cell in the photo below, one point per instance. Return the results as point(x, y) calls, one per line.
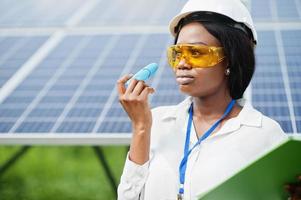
point(45, 112)
point(5, 126)
point(34, 127)
point(84, 112)
point(76, 127)
point(14, 52)
point(284, 10)
point(287, 10)
point(33, 13)
point(108, 15)
point(10, 112)
point(261, 10)
point(110, 126)
point(135, 12)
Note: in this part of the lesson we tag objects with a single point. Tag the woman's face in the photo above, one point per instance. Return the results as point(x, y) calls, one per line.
point(199, 82)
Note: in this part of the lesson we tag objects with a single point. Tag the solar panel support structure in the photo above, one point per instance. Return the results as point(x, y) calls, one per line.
point(14, 158)
point(98, 152)
point(101, 157)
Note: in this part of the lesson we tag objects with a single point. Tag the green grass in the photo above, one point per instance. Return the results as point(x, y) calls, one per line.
point(47, 173)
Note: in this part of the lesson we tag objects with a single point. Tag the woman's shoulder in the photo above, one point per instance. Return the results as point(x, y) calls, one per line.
point(265, 125)
point(271, 128)
point(270, 123)
point(254, 116)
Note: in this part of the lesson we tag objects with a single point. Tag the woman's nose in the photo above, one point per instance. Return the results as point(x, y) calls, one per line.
point(183, 64)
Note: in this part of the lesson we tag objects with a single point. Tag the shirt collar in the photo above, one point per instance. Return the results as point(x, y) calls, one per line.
point(248, 115)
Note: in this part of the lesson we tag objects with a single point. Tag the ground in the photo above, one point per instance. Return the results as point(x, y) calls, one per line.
point(47, 173)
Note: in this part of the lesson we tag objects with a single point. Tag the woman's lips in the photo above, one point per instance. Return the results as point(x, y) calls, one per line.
point(184, 80)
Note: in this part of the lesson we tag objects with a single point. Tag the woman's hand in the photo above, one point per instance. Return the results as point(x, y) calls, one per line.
point(134, 100)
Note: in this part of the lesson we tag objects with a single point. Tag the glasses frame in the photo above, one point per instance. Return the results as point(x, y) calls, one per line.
point(214, 55)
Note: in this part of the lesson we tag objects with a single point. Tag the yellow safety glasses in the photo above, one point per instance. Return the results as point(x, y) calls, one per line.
point(198, 56)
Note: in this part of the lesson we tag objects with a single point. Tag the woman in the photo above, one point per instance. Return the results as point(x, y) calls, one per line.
point(184, 150)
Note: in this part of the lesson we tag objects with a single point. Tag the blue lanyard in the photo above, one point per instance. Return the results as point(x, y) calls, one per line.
point(183, 164)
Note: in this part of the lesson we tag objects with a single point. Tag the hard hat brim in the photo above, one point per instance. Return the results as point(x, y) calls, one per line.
point(175, 22)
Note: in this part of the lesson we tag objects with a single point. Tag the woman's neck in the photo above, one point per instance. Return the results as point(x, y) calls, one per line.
point(211, 107)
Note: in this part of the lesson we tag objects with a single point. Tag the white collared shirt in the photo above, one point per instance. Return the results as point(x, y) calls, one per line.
point(240, 140)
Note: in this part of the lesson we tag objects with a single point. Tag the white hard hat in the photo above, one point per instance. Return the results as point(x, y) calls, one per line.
point(233, 9)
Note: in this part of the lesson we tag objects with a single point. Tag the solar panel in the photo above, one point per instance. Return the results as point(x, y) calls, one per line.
point(69, 95)
point(134, 13)
point(268, 90)
point(32, 13)
point(276, 10)
point(14, 51)
point(292, 45)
